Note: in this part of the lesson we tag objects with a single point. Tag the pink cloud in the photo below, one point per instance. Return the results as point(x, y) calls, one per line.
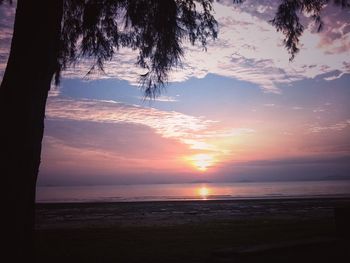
point(339, 126)
point(195, 135)
point(335, 35)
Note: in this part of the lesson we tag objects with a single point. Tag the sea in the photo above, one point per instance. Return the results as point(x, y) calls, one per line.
point(192, 191)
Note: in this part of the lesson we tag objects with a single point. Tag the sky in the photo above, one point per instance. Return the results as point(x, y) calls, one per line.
point(240, 111)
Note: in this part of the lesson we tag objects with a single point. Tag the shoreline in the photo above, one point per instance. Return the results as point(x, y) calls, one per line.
point(169, 213)
point(209, 199)
point(164, 201)
point(288, 230)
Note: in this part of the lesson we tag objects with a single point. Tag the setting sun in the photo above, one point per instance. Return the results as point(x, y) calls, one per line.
point(202, 161)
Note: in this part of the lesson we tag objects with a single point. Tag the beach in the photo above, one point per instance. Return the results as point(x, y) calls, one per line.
point(278, 230)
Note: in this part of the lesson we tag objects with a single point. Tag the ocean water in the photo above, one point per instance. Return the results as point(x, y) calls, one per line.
point(195, 191)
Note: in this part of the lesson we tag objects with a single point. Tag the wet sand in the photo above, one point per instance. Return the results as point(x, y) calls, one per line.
point(286, 230)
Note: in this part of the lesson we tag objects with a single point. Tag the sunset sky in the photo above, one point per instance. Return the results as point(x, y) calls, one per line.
point(239, 111)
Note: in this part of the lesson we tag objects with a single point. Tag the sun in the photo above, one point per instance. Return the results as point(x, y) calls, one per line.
point(202, 161)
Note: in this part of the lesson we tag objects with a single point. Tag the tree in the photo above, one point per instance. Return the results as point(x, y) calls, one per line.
point(52, 35)
point(287, 19)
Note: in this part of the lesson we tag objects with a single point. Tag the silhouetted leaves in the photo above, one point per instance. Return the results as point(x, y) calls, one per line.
point(287, 19)
point(98, 28)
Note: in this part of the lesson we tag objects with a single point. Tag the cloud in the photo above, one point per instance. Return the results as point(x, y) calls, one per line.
point(168, 124)
point(217, 141)
point(314, 167)
point(340, 126)
point(88, 137)
point(163, 98)
point(297, 108)
point(125, 140)
point(318, 110)
point(197, 133)
point(92, 148)
point(343, 159)
point(225, 133)
point(335, 35)
point(332, 75)
point(248, 48)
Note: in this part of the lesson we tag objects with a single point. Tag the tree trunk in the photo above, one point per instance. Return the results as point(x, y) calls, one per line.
point(23, 93)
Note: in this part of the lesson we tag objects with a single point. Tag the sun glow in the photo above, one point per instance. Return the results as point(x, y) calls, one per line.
point(203, 192)
point(202, 161)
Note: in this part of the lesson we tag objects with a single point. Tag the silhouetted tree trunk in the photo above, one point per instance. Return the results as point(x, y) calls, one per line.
point(23, 94)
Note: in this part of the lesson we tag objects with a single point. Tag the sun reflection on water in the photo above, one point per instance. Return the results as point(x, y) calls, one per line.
point(203, 192)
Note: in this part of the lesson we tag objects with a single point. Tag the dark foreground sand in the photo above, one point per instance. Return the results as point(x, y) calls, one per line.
point(287, 230)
